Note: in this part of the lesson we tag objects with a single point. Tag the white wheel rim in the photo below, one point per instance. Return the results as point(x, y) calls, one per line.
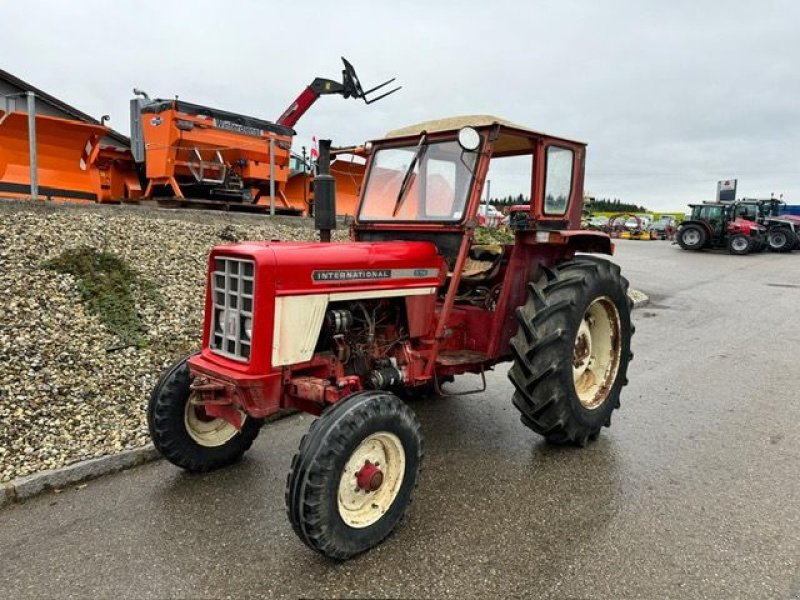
point(739, 244)
point(359, 508)
point(596, 353)
point(691, 237)
point(210, 433)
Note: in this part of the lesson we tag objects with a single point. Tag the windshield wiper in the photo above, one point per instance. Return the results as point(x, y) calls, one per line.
point(418, 153)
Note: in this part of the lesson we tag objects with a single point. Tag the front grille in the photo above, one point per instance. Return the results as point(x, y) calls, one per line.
point(232, 284)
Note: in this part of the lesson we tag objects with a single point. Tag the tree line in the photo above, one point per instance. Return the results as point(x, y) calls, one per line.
point(590, 205)
point(509, 200)
point(609, 205)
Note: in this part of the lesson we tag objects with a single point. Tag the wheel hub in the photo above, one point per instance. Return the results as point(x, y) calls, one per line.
point(583, 348)
point(596, 354)
point(370, 477)
point(209, 430)
point(691, 237)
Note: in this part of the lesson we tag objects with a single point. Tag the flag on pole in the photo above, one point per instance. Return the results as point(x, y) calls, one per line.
point(314, 148)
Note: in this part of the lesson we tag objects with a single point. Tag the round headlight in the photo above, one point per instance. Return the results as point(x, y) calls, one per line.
point(469, 139)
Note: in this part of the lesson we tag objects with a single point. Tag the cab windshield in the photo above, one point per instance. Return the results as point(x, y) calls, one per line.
point(418, 182)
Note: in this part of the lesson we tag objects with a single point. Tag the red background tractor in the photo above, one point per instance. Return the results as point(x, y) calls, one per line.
point(342, 330)
point(714, 225)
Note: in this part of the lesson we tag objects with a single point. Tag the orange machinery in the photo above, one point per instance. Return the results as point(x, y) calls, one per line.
point(349, 175)
point(189, 151)
point(198, 152)
point(72, 163)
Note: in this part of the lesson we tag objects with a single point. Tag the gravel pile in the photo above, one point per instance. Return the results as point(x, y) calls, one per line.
point(69, 389)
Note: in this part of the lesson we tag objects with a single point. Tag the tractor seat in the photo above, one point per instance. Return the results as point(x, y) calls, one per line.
point(482, 263)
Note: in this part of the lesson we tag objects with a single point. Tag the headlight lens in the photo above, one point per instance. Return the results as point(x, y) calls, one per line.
point(248, 328)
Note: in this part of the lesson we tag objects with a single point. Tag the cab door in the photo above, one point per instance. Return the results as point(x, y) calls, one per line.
point(713, 216)
point(559, 189)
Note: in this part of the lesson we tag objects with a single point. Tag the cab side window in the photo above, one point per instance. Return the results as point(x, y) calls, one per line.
point(558, 180)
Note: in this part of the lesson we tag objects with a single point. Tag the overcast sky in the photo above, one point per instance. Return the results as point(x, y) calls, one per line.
point(670, 96)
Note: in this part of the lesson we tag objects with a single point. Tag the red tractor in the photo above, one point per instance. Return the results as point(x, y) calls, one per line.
point(783, 231)
point(714, 225)
point(342, 330)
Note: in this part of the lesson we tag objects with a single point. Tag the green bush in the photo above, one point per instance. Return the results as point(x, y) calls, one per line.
point(107, 286)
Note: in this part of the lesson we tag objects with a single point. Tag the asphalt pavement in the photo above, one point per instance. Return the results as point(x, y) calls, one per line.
point(694, 491)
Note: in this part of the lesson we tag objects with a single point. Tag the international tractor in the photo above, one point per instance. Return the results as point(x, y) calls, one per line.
point(345, 330)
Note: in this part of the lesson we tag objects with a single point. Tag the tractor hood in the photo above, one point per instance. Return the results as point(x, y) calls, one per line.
point(294, 268)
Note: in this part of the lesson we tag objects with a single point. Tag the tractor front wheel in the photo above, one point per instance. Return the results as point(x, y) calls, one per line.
point(185, 435)
point(692, 237)
point(572, 350)
point(740, 244)
point(352, 479)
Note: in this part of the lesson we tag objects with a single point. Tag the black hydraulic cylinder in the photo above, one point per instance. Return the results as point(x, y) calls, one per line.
point(324, 193)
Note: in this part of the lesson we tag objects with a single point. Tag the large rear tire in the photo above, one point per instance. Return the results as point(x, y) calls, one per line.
point(572, 350)
point(187, 437)
point(781, 239)
point(692, 237)
point(352, 479)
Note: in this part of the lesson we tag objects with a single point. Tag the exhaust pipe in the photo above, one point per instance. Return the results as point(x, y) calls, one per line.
point(324, 193)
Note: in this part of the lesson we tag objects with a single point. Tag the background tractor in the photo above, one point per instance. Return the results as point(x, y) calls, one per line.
point(715, 225)
point(782, 231)
point(342, 330)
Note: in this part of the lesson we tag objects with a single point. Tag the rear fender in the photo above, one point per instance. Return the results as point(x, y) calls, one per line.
point(588, 241)
point(702, 224)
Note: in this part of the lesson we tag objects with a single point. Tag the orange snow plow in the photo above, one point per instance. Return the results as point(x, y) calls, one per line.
point(72, 164)
point(65, 150)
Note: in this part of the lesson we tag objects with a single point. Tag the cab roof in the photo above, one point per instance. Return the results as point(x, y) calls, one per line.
point(457, 122)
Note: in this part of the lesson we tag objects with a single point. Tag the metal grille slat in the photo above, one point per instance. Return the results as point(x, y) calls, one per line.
point(227, 336)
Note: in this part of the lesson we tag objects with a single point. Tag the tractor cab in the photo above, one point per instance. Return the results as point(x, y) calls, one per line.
point(715, 215)
point(425, 182)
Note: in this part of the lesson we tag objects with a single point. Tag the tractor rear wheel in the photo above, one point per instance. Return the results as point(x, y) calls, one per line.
point(572, 350)
point(185, 435)
point(692, 237)
point(781, 239)
point(740, 244)
point(352, 479)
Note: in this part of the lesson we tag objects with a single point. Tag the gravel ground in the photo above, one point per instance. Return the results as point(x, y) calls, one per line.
point(67, 390)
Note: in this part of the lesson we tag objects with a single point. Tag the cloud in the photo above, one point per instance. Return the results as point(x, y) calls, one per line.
point(670, 97)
